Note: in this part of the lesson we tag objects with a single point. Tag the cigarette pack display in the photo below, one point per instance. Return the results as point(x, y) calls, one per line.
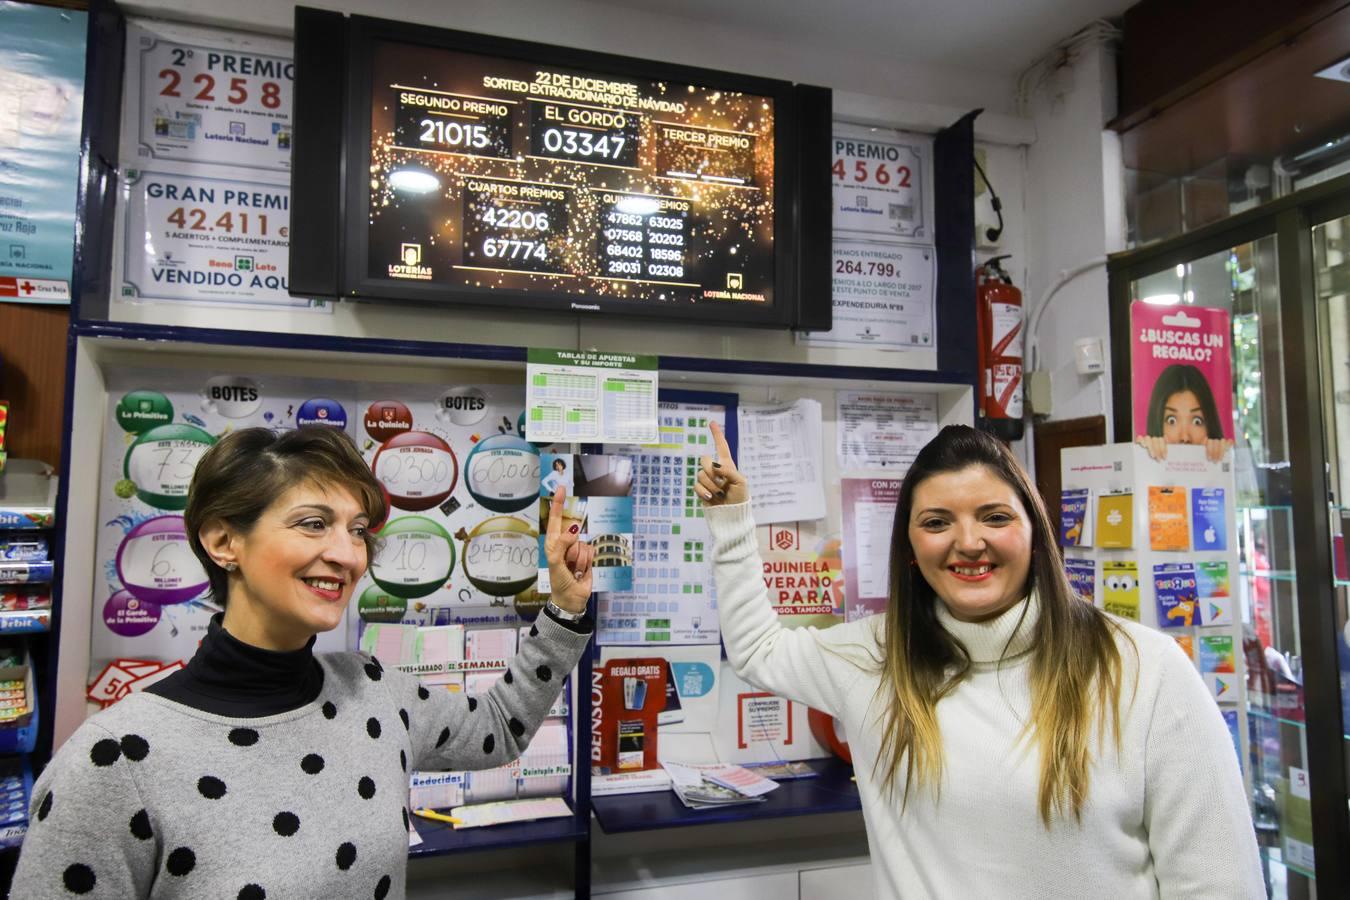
point(630, 695)
point(632, 743)
point(690, 685)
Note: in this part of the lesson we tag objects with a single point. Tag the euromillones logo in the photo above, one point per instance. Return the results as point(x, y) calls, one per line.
point(410, 264)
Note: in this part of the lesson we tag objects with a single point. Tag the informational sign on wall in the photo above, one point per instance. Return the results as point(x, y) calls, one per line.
point(803, 573)
point(600, 502)
point(880, 179)
point(577, 395)
point(41, 100)
point(205, 154)
point(205, 101)
point(206, 239)
point(1182, 368)
point(869, 517)
point(883, 296)
point(881, 430)
point(459, 545)
point(884, 267)
point(673, 600)
point(150, 596)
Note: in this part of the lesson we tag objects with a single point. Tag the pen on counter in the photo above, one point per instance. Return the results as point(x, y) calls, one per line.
point(439, 817)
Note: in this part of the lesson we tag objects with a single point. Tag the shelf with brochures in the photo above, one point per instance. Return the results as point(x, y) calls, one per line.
point(439, 838)
point(27, 515)
point(832, 791)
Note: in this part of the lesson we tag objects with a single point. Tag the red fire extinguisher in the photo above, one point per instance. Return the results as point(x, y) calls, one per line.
point(999, 306)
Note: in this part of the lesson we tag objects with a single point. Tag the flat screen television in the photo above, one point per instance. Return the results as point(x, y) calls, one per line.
point(450, 168)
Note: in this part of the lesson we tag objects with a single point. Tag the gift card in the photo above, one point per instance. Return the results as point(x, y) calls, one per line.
point(1073, 509)
point(1209, 516)
point(1115, 521)
point(1167, 526)
point(1120, 588)
point(1082, 577)
point(1218, 666)
point(1174, 586)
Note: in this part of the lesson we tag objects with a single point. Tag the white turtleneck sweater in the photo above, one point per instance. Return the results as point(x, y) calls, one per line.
point(1166, 815)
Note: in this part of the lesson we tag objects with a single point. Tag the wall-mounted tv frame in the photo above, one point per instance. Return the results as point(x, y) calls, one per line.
point(440, 167)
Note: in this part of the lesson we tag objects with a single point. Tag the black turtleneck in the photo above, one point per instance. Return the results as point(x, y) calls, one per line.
point(228, 677)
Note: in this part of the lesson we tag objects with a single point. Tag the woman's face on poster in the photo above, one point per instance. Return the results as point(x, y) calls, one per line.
point(1184, 420)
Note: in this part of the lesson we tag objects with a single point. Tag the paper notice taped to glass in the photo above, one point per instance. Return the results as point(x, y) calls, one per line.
point(781, 458)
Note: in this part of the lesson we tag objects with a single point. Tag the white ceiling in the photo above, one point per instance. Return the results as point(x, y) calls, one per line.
point(986, 36)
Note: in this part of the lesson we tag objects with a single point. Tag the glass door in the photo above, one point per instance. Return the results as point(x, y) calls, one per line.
point(1244, 280)
point(1331, 271)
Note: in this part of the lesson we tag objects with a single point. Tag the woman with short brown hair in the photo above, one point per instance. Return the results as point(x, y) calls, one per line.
point(261, 769)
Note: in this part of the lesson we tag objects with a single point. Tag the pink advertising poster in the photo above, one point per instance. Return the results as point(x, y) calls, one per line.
point(869, 516)
point(1182, 368)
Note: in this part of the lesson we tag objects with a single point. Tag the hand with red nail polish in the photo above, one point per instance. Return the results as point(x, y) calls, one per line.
point(569, 558)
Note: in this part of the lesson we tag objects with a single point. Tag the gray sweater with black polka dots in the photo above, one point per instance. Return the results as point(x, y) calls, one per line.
point(155, 799)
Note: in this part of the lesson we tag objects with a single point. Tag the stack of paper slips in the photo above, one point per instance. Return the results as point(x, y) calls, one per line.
point(717, 785)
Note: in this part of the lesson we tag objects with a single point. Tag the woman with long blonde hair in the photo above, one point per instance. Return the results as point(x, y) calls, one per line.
point(1009, 740)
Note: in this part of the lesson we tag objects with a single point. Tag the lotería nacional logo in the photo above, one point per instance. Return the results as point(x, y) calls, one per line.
point(735, 281)
point(410, 264)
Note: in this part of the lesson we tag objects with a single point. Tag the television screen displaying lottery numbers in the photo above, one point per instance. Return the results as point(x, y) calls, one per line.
point(497, 175)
